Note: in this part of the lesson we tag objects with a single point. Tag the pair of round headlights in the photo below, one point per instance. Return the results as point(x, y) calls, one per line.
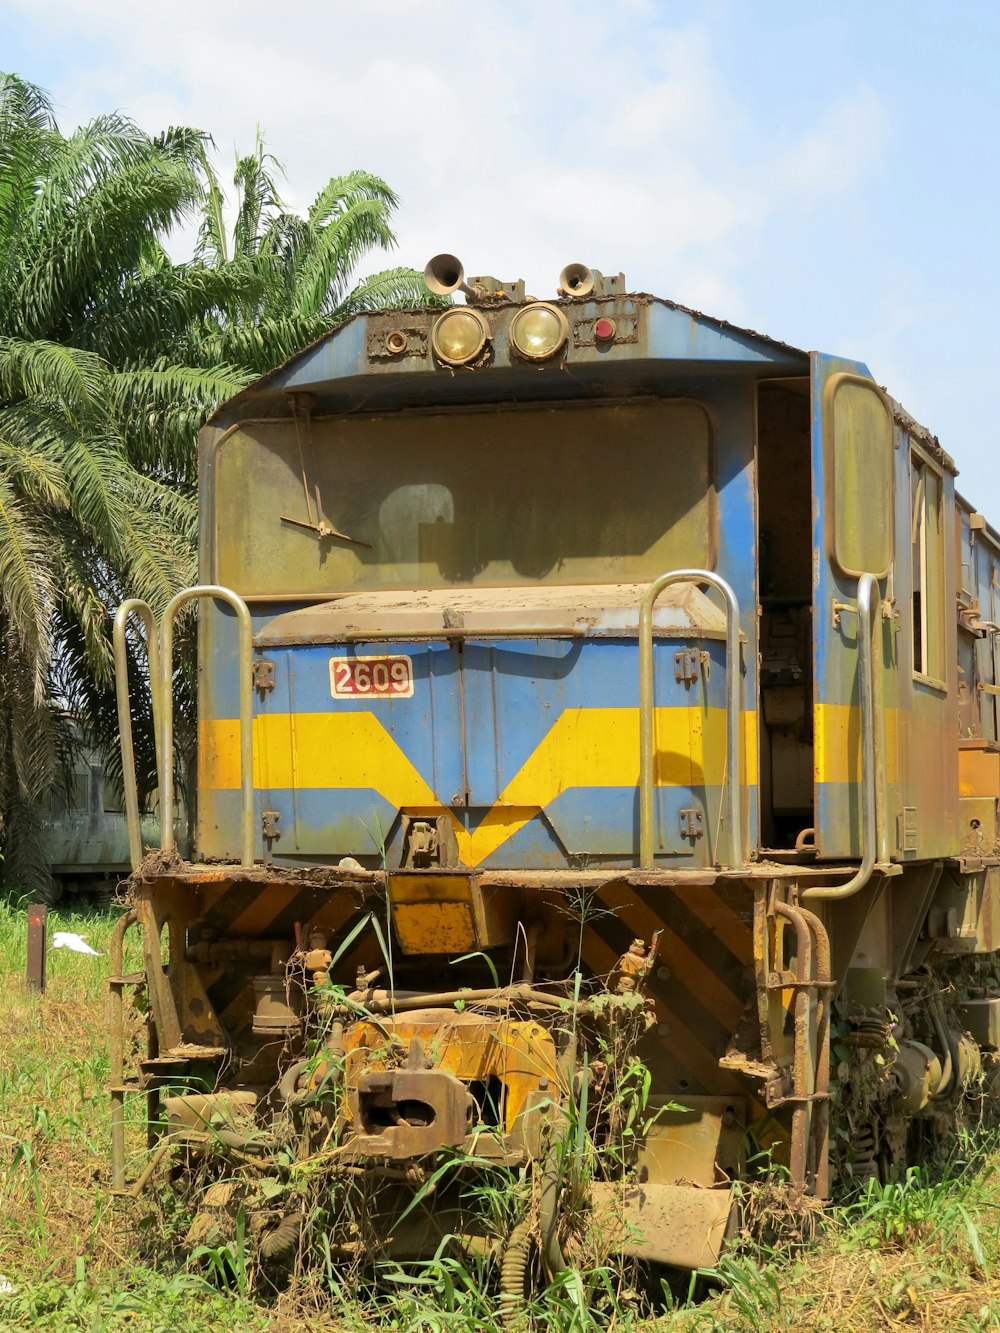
point(537, 332)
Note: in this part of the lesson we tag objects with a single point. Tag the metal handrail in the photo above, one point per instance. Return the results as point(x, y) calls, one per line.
point(133, 817)
point(116, 1078)
point(872, 748)
point(234, 600)
point(646, 769)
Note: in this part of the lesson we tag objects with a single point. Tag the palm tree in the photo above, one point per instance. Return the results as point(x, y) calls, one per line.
point(111, 357)
point(80, 217)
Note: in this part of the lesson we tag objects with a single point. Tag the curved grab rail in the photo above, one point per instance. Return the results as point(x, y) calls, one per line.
point(872, 747)
point(646, 772)
point(133, 818)
point(232, 599)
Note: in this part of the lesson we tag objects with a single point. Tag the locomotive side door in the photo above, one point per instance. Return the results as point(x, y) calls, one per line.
point(853, 534)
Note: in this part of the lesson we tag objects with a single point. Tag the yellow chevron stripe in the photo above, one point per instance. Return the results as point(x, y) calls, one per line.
point(721, 920)
point(585, 747)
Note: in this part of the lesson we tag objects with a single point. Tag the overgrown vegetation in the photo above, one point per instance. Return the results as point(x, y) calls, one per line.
point(918, 1254)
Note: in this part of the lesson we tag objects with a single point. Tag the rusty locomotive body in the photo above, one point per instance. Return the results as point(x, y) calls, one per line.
point(598, 759)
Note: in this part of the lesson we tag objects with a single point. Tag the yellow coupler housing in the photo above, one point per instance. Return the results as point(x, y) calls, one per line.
point(406, 1080)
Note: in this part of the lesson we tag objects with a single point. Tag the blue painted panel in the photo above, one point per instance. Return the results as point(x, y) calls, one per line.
point(604, 821)
point(334, 823)
point(315, 825)
point(426, 727)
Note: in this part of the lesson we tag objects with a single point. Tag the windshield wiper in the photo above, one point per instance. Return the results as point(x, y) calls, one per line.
point(302, 405)
point(324, 530)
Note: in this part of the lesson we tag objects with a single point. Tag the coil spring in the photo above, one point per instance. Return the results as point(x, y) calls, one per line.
point(866, 1154)
point(869, 1033)
point(515, 1271)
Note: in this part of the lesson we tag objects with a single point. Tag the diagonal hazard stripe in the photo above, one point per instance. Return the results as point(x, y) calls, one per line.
point(232, 993)
point(683, 1044)
point(685, 963)
point(721, 920)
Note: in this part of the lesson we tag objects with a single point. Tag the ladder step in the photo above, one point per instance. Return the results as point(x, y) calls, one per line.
point(130, 979)
point(181, 1055)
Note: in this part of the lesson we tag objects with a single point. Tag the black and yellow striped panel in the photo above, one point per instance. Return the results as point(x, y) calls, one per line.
point(702, 980)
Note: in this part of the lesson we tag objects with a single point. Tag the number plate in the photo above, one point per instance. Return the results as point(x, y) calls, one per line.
point(364, 677)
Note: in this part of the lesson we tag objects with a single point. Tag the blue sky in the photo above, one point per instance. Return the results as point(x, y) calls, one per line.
point(827, 175)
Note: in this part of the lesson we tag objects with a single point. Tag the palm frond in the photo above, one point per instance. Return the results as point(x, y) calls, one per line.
point(91, 241)
point(266, 343)
point(27, 139)
point(258, 196)
point(212, 246)
point(27, 589)
point(44, 369)
point(322, 277)
point(162, 407)
point(342, 193)
point(151, 314)
point(158, 565)
point(393, 287)
point(36, 477)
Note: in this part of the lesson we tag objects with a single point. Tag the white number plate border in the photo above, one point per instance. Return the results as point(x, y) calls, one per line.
point(362, 678)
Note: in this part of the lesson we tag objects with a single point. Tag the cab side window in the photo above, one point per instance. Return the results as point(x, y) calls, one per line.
point(927, 569)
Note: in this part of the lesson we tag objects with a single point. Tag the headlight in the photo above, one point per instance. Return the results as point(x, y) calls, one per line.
point(459, 336)
point(538, 331)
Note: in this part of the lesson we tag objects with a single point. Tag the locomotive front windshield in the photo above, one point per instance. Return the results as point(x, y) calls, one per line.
point(604, 493)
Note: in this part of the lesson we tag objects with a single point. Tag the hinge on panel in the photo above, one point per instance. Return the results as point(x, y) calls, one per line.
point(263, 675)
point(908, 829)
point(692, 824)
point(688, 664)
point(269, 821)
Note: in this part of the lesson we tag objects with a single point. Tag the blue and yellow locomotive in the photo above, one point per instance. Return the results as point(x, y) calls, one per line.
point(585, 685)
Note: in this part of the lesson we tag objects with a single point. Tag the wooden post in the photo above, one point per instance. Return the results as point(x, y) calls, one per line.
point(37, 926)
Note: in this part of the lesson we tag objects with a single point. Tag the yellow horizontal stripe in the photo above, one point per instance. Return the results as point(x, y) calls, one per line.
point(837, 752)
point(586, 747)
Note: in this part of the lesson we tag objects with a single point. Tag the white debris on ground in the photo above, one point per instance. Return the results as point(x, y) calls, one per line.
point(65, 939)
point(7, 1287)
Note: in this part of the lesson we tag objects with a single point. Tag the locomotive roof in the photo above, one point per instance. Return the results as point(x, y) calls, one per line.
point(678, 334)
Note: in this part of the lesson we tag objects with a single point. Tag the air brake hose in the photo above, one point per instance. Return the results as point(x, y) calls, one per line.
point(514, 1271)
point(952, 1075)
point(289, 1081)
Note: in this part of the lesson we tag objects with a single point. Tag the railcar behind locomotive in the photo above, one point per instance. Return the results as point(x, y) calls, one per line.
point(598, 776)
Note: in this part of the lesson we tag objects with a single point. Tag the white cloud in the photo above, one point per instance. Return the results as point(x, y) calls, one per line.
point(519, 137)
point(750, 176)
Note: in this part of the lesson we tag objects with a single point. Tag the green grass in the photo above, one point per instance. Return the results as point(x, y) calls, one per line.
point(74, 1257)
point(914, 1255)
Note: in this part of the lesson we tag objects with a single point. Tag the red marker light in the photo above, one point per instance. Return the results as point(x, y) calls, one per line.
point(604, 330)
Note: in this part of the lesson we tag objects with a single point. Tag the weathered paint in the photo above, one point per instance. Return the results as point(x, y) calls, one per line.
point(528, 747)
